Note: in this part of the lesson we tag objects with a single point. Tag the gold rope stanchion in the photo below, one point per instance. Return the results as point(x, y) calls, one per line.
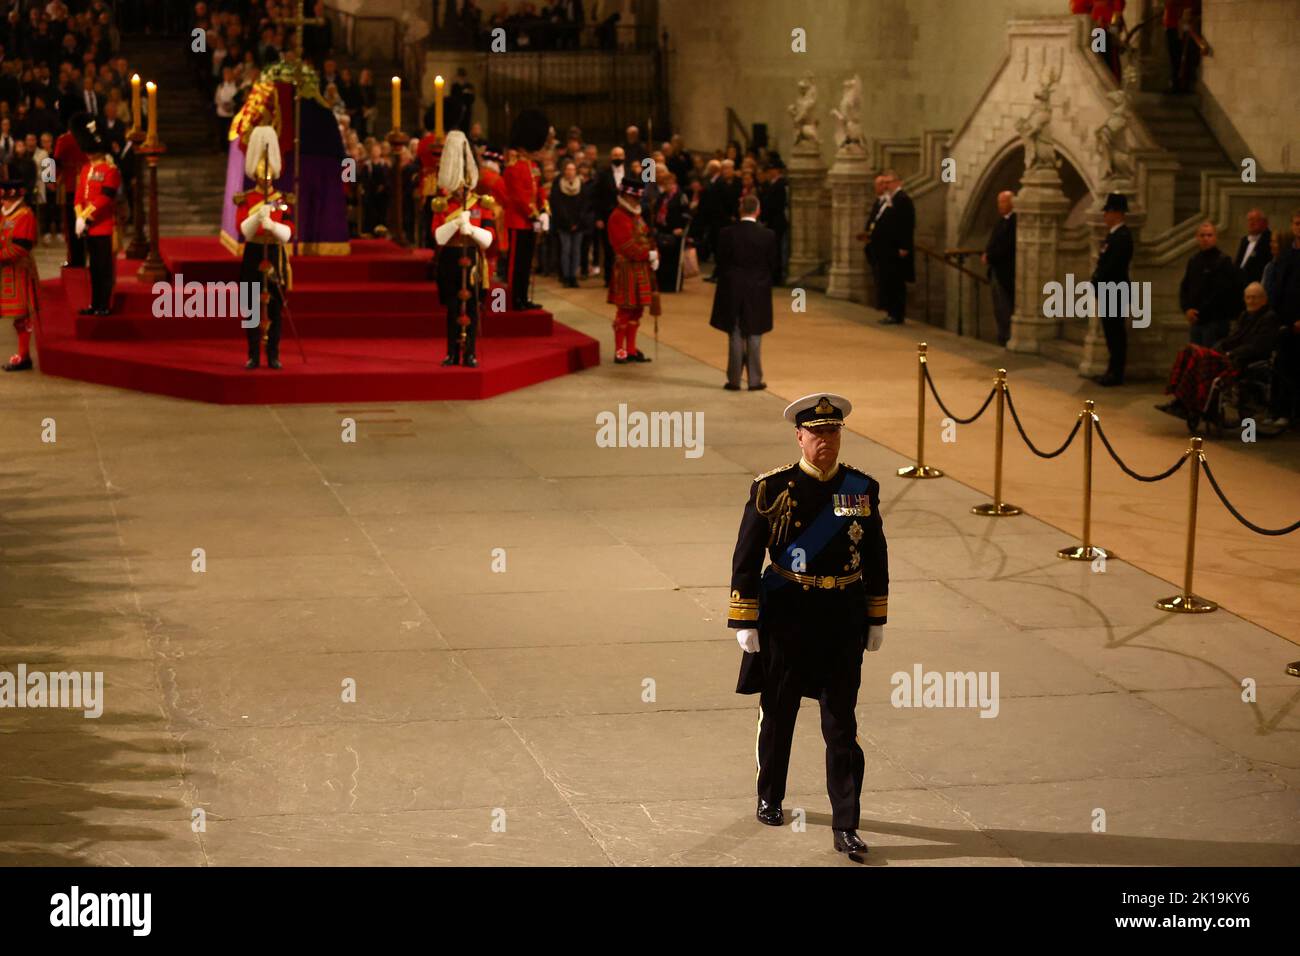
point(920, 469)
point(1086, 552)
point(1187, 602)
point(997, 508)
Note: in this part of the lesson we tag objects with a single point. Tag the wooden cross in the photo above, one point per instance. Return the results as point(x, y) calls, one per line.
point(298, 22)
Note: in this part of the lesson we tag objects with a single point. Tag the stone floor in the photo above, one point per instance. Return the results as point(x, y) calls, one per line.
point(502, 716)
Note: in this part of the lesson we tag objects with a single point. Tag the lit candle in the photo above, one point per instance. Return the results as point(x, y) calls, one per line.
point(397, 102)
point(135, 102)
point(437, 107)
point(152, 88)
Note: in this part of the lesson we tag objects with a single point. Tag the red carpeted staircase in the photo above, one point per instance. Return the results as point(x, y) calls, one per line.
point(370, 325)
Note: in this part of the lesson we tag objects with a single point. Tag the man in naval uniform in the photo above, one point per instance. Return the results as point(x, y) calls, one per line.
point(805, 620)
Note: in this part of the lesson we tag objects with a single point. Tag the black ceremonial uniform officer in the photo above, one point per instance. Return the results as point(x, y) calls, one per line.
point(805, 619)
point(1113, 260)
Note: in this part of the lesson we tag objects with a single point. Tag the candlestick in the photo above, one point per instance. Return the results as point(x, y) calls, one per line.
point(437, 110)
point(152, 88)
point(135, 102)
point(397, 102)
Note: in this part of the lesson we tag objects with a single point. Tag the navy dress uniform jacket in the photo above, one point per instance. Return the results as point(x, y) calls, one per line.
point(808, 631)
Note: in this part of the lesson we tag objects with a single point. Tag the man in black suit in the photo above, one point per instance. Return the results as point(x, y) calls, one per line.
point(774, 195)
point(1000, 257)
point(1253, 252)
point(891, 248)
point(635, 150)
point(723, 195)
point(748, 257)
point(608, 182)
point(1112, 266)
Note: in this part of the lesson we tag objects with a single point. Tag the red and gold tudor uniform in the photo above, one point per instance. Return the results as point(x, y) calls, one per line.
point(462, 271)
point(267, 262)
point(18, 278)
point(97, 186)
point(631, 286)
point(827, 581)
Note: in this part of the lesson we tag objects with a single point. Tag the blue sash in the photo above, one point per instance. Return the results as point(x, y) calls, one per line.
point(818, 534)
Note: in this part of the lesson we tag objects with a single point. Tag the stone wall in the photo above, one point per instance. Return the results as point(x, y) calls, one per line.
point(932, 56)
point(1250, 78)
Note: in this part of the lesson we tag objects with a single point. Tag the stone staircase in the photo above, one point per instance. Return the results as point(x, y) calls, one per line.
point(190, 192)
point(1177, 125)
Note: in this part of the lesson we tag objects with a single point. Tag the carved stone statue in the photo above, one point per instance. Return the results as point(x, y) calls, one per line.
point(848, 118)
point(801, 113)
point(1035, 129)
point(1112, 140)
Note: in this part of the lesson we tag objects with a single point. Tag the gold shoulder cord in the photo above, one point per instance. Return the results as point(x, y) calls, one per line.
point(777, 514)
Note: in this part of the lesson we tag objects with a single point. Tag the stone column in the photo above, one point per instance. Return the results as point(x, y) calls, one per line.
point(807, 175)
point(850, 181)
point(1040, 210)
point(1140, 342)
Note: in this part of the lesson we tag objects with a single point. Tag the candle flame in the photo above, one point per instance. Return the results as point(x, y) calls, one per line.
point(135, 77)
point(438, 81)
point(151, 86)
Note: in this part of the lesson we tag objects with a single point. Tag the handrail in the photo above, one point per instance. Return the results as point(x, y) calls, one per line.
point(943, 257)
point(733, 121)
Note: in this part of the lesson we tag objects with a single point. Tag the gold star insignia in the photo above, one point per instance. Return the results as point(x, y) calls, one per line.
point(855, 532)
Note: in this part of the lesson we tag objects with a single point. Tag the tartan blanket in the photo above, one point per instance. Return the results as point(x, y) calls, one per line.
point(1195, 369)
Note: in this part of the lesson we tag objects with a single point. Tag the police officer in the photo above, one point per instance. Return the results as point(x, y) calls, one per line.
point(805, 620)
point(1112, 266)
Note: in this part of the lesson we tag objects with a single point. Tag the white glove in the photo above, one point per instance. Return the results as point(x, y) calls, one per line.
point(466, 227)
point(654, 259)
point(480, 236)
point(544, 222)
point(875, 636)
point(442, 235)
point(280, 230)
point(747, 638)
point(81, 225)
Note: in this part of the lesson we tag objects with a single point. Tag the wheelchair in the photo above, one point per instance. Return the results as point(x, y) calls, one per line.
point(1235, 396)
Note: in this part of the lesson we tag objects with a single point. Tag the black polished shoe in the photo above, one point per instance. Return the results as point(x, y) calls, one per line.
point(273, 363)
point(848, 841)
point(450, 360)
point(22, 365)
point(731, 388)
point(251, 363)
point(759, 387)
point(639, 356)
point(889, 321)
point(769, 814)
point(88, 310)
point(470, 362)
point(621, 361)
point(1174, 408)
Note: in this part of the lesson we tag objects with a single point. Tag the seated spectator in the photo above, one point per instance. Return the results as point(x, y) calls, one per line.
point(1210, 289)
point(1197, 366)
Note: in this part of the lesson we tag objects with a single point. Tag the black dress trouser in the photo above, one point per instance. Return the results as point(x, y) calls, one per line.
point(845, 763)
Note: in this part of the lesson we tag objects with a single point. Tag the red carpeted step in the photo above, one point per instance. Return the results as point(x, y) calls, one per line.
point(364, 340)
point(144, 327)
